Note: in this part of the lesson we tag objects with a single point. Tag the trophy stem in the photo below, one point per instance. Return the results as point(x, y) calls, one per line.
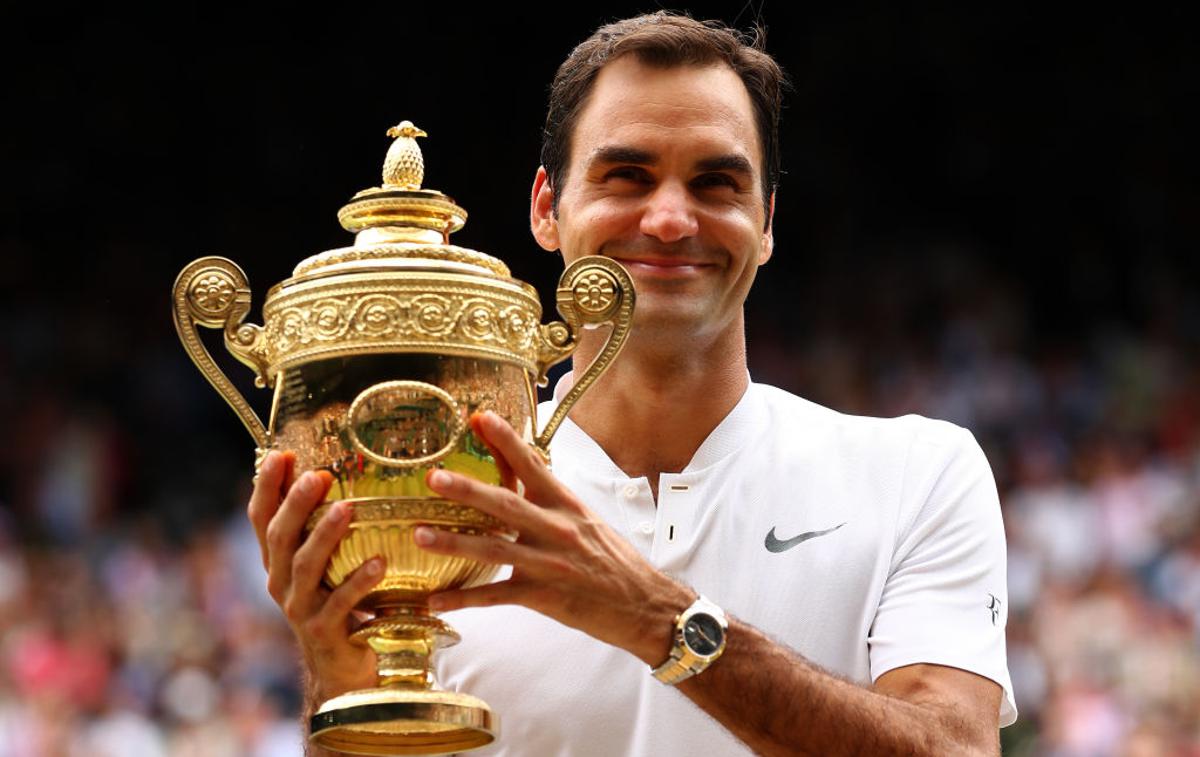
point(404, 638)
point(406, 713)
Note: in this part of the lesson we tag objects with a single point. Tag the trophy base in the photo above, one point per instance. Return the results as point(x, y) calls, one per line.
point(403, 721)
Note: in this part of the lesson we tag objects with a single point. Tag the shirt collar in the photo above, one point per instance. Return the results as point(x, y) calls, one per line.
point(735, 432)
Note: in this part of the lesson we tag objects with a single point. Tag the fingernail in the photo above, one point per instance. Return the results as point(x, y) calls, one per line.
point(307, 483)
point(439, 478)
point(423, 536)
point(337, 512)
point(374, 566)
point(269, 462)
point(492, 419)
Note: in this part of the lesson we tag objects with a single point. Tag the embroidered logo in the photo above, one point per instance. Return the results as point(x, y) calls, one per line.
point(774, 544)
point(994, 606)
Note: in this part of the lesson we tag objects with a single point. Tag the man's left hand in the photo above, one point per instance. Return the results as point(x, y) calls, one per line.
point(567, 563)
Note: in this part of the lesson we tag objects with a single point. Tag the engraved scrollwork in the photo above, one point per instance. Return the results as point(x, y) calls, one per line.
point(292, 329)
point(328, 319)
point(493, 323)
point(520, 331)
point(377, 315)
point(479, 321)
point(433, 314)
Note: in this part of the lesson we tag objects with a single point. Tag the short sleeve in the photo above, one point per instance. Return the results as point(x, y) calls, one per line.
point(945, 600)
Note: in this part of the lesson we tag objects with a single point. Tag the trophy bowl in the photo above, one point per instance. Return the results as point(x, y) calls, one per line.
point(378, 354)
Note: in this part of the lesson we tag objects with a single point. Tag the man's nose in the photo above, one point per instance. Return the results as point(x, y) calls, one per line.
point(669, 215)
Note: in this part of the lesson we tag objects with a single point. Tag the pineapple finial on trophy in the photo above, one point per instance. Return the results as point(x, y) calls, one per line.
point(404, 168)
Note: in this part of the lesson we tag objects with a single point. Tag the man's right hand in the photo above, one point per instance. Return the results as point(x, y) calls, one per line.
point(320, 618)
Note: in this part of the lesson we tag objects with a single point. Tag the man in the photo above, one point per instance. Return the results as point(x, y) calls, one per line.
point(857, 563)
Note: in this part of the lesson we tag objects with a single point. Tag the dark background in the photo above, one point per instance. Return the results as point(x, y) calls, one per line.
point(1009, 182)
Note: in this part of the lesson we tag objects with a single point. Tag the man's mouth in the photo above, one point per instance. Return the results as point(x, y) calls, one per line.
point(662, 267)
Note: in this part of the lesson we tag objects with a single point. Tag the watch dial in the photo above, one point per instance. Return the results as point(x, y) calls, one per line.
point(702, 633)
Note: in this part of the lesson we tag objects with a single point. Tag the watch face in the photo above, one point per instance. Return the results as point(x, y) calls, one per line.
point(702, 633)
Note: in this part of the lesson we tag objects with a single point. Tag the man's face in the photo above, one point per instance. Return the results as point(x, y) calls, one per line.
point(665, 177)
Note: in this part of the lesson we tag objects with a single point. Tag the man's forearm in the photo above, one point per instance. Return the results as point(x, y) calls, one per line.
point(312, 702)
point(779, 703)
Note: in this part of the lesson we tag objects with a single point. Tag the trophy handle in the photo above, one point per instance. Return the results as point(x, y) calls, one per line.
point(213, 292)
point(593, 290)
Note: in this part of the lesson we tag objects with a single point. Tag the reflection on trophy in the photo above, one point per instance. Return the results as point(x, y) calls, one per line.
point(378, 354)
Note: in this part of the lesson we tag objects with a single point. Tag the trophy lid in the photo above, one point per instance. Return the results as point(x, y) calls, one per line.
point(400, 224)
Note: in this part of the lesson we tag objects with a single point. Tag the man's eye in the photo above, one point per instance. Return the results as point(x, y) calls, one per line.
point(709, 180)
point(629, 174)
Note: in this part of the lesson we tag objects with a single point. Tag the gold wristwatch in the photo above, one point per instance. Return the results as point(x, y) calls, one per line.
point(699, 639)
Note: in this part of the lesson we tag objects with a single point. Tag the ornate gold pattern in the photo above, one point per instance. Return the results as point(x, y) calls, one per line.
point(444, 313)
point(386, 252)
point(595, 291)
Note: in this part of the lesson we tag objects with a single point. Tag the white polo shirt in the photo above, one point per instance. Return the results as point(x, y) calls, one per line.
point(910, 569)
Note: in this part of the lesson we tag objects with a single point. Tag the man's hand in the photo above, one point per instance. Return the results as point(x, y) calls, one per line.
point(567, 563)
point(572, 567)
point(321, 619)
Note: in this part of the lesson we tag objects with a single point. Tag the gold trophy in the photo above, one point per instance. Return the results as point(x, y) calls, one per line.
point(378, 354)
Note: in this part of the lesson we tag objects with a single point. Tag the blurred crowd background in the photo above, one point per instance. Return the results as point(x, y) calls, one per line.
point(989, 217)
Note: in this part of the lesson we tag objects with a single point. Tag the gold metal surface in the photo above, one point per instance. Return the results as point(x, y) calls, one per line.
point(213, 292)
point(378, 354)
point(592, 291)
point(384, 722)
point(388, 391)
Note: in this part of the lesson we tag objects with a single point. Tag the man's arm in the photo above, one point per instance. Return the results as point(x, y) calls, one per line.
point(570, 566)
point(781, 704)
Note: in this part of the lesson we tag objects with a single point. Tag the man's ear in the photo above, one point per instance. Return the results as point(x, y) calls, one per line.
point(542, 221)
point(768, 237)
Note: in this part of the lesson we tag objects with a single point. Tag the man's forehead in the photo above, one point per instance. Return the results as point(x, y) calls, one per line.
point(706, 102)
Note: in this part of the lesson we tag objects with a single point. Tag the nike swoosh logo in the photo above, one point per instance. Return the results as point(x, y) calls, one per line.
point(775, 545)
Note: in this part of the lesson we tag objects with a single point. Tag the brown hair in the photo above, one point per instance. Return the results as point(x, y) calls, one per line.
point(664, 40)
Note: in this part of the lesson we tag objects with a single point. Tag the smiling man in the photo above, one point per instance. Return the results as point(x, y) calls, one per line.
point(713, 566)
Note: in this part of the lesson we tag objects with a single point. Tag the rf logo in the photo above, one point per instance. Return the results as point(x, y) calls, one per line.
point(994, 606)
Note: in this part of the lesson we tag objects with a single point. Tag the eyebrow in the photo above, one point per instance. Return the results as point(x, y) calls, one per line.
point(622, 154)
point(639, 157)
point(731, 162)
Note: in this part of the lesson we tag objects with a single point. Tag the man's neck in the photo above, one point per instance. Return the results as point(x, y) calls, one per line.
point(654, 407)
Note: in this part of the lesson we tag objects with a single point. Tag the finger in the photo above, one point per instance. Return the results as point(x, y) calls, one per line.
point(265, 498)
point(528, 465)
point(508, 478)
point(488, 595)
point(308, 566)
point(491, 550)
point(501, 503)
point(332, 622)
point(289, 476)
point(283, 532)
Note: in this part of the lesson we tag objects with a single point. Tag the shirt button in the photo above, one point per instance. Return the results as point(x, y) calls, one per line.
point(646, 527)
point(630, 492)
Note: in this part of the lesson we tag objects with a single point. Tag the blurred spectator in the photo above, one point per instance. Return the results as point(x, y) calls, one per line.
point(134, 618)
